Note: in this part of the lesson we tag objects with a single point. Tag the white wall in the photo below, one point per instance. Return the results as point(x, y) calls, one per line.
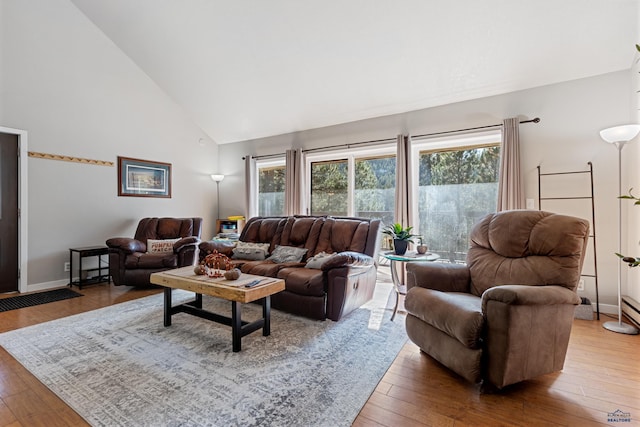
point(566, 139)
point(77, 94)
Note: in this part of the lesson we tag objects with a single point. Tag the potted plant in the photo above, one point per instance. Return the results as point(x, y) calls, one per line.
point(401, 237)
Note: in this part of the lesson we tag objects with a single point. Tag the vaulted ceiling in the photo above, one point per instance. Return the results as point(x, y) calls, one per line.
point(253, 68)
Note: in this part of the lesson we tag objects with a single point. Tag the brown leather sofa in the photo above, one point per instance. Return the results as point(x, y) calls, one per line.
point(506, 315)
point(130, 260)
point(341, 284)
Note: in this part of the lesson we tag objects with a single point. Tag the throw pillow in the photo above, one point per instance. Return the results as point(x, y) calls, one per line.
point(160, 246)
point(250, 251)
point(282, 254)
point(317, 260)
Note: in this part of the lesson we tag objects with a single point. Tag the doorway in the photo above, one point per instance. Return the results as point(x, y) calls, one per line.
point(9, 213)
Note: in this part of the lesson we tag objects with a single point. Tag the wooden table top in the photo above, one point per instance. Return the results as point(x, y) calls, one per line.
point(232, 290)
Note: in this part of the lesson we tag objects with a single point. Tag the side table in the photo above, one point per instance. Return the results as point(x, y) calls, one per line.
point(396, 261)
point(84, 252)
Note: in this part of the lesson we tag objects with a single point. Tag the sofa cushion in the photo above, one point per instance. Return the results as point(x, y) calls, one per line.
point(303, 281)
point(261, 268)
point(250, 251)
point(458, 315)
point(282, 254)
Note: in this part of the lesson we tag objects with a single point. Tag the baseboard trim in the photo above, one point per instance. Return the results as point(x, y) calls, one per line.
point(631, 309)
point(45, 286)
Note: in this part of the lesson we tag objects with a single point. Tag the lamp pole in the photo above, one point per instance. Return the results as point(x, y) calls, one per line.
point(217, 178)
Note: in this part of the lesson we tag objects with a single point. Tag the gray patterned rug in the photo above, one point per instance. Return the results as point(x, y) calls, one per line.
point(118, 366)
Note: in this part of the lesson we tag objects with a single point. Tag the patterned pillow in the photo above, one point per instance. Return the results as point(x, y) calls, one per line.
point(317, 260)
point(250, 251)
point(160, 246)
point(282, 254)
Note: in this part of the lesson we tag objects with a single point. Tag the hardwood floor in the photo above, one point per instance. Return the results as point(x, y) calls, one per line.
point(601, 375)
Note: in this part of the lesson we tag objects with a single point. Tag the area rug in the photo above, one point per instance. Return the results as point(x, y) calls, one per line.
point(119, 366)
point(22, 301)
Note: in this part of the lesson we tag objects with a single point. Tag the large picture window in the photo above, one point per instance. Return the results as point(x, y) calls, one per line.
point(360, 184)
point(457, 185)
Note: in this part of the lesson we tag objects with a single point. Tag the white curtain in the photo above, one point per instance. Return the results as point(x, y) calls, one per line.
point(510, 191)
point(404, 201)
point(251, 190)
point(293, 184)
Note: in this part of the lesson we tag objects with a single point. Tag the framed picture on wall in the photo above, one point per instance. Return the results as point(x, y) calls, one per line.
point(143, 178)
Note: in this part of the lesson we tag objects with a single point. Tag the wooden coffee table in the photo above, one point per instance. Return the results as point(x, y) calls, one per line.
point(231, 290)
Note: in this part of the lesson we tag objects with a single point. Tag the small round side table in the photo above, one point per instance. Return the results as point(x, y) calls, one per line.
point(399, 286)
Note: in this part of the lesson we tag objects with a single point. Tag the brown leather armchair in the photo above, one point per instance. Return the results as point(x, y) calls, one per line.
point(130, 260)
point(506, 315)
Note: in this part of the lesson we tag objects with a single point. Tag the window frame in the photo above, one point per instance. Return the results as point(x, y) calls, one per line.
point(350, 155)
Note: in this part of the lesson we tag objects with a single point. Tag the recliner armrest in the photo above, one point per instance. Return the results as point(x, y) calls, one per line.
point(438, 276)
point(529, 295)
point(347, 259)
point(126, 244)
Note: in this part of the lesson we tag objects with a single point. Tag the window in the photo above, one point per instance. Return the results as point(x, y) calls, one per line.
point(360, 184)
point(457, 185)
point(375, 185)
point(271, 177)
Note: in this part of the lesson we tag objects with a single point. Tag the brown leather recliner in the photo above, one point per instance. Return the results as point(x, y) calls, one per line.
point(506, 315)
point(130, 262)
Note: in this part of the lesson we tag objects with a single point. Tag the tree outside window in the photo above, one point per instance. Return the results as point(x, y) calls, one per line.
point(329, 188)
point(456, 188)
point(375, 184)
point(271, 190)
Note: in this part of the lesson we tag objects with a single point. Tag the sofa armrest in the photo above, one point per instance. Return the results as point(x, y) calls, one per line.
point(347, 259)
point(348, 288)
point(529, 295)
point(223, 247)
point(184, 243)
point(126, 244)
point(443, 277)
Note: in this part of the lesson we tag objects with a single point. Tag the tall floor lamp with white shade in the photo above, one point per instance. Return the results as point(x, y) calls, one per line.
point(217, 178)
point(619, 136)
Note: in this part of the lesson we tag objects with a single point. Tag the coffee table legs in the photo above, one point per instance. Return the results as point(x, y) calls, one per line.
point(167, 306)
point(266, 315)
point(238, 328)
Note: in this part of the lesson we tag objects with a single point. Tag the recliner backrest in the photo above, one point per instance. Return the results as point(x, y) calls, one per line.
point(341, 234)
point(168, 228)
point(263, 230)
point(302, 232)
point(524, 247)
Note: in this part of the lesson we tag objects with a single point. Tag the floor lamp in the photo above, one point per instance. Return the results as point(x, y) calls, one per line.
point(619, 136)
point(217, 178)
